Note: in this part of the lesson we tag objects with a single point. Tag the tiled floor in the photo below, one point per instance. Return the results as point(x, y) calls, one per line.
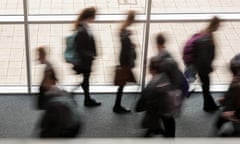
point(12, 47)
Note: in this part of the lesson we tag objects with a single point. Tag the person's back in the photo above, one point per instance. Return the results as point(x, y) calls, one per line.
point(162, 97)
point(168, 65)
point(204, 53)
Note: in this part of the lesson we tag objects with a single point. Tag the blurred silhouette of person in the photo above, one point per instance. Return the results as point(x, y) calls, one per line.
point(167, 64)
point(48, 71)
point(204, 54)
point(127, 61)
point(231, 99)
point(163, 96)
point(61, 118)
point(86, 50)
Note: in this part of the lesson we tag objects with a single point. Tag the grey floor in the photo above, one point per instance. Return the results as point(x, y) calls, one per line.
point(19, 117)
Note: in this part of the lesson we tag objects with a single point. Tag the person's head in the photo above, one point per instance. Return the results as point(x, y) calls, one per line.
point(41, 54)
point(214, 24)
point(160, 41)
point(87, 15)
point(235, 65)
point(130, 19)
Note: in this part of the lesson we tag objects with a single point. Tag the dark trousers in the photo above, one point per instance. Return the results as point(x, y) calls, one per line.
point(85, 86)
point(169, 126)
point(119, 96)
point(152, 122)
point(208, 101)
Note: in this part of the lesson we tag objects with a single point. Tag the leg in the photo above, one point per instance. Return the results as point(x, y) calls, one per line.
point(117, 106)
point(169, 126)
point(88, 101)
point(208, 101)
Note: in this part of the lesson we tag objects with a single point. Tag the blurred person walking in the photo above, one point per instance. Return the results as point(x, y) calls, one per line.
point(204, 54)
point(48, 71)
point(127, 59)
point(61, 117)
point(86, 51)
point(164, 94)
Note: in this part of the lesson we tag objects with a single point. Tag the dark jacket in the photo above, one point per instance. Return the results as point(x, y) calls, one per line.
point(232, 97)
point(166, 64)
point(158, 99)
point(61, 118)
point(86, 49)
point(42, 99)
point(127, 53)
point(204, 53)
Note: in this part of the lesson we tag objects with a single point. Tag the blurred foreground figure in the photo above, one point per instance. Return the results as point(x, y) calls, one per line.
point(48, 71)
point(231, 100)
point(86, 51)
point(204, 54)
point(61, 118)
point(123, 73)
point(164, 94)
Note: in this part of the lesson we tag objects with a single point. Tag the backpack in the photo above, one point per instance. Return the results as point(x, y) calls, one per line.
point(188, 48)
point(70, 54)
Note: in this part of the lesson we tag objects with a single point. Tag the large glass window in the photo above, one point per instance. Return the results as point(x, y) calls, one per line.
point(107, 40)
point(12, 55)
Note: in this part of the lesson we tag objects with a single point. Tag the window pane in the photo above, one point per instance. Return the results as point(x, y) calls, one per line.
point(107, 40)
point(13, 7)
point(74, 6)
point(195, 6)
point(227, 44)
point(12, 55)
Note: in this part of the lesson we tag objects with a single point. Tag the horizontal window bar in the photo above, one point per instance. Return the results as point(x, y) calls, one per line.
point(111, 18)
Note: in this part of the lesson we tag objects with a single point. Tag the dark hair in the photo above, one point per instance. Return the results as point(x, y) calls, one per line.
point(85, 14)
point(160, 39)
point(235, 65)
point(41, 51)
point(130, 19)
point(214, 23)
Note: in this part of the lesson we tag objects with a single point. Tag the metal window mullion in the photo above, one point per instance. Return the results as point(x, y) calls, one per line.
point(27, 45)
point(146, 41)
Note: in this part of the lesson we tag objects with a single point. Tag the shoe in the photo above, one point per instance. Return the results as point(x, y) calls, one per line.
point(120, 109)
point(91, 103)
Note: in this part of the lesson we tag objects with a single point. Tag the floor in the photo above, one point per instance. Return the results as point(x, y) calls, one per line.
point(19, 118)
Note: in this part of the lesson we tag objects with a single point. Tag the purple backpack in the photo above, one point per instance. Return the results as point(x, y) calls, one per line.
point(188, 48)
